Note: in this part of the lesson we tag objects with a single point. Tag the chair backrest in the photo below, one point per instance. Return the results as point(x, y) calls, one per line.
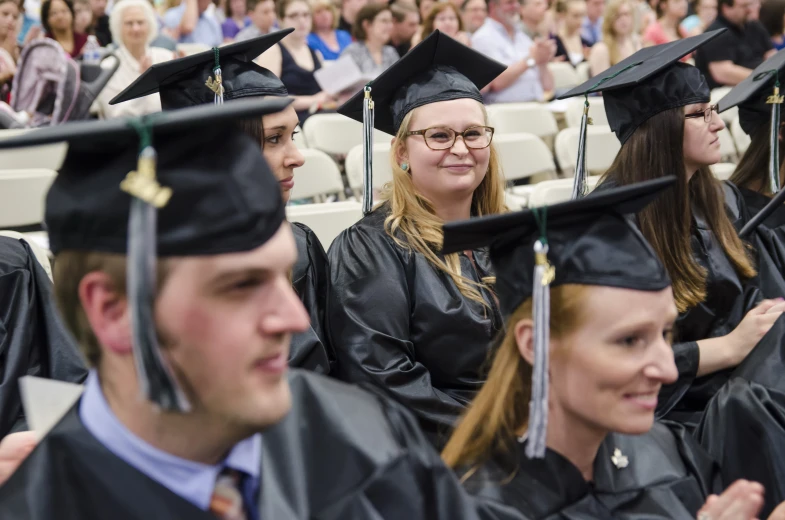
point(723, 171)
point(584, 71)
point(41, 254)
point(741, 139)
point(327, 220)
point(192, 48)
point(601, 149)
point(719, 93)
point(47, 156)
point(564, 75)
point(382, 171)
point(532, 118)
point(22, 194)
point(522, 155)
point(547, 193)
point(727, 146)
point(336, 134)
point(318, 176)
point(596, 111)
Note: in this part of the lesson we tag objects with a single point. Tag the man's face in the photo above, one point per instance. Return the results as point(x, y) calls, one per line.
point(99, 7)
point(739, 12)
point(533, 11)
point(225, 323)
point(505, 11)
point(405, 30)
point(595, 9)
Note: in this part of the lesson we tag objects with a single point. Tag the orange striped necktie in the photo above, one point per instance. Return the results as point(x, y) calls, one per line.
point(227, 500)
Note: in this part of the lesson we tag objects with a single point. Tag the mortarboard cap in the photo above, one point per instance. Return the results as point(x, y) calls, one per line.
point(587, 241)
point(184, 82)
point(216, 195)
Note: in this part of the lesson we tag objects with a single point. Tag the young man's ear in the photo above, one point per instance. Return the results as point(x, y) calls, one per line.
point(107, 312)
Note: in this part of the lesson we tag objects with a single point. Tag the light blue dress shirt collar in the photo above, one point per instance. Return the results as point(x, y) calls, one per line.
point(191, 480)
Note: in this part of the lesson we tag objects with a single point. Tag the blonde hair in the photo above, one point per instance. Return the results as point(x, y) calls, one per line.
point(492, 422)
point(318, 6)
point(608, 33)
point(413, 216)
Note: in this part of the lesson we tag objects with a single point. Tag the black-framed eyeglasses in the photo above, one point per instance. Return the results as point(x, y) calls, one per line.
point(443, 138)
point(705, 114)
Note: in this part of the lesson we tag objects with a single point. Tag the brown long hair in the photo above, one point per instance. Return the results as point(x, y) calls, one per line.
point(752, 171)
point(654, 150)
point(491, 423)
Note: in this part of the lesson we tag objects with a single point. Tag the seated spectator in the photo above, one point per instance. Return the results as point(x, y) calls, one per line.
point(349, 10)
point(191, 23)
point(643, 15)
point(474, 13)
point(619, 40)
point(9, 15)
point(532, 13)
point(236, 19)
point(326, 38)
point(729, 58)
point(705, 13)
point(133, 24)
point(666, 29)
point(444, 17)
point(83, 16)
point(28, 22)
point(570, 45)
point(262, 15)
point(57, 17)
point(591, 31)
point(406, 23)
point(772, 16)
point(294, 62)
point(100, 26)
point(527, 76)
point(372, 31)
point(424, 6)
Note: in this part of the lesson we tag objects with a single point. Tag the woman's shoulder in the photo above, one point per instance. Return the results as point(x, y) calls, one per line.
point(343, 37)
point(160, 55)
point(389, 51)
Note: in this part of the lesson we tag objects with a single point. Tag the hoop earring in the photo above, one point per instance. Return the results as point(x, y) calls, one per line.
point(405, 167)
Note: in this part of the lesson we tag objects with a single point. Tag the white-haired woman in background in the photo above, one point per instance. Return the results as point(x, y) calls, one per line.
point(134, 25)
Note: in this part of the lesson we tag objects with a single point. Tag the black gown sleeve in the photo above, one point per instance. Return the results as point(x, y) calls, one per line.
point(369, 318)
point(687, 356)
point(33, 339)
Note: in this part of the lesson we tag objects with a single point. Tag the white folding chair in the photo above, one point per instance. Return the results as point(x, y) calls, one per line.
point(336, 134)
point(41, 254)
point(382, 170)
point(601, 149)
point(719, 93)
point(723, 171)
point(575, 111)
point(741, 139)
point(22, 194)
point(523, 155)
point(727, 147)
point(531, 118)
point(564, 75)
point(547, 193)
point(47, 156)
point(318, 176)
point(192, 48)
point(327, 220)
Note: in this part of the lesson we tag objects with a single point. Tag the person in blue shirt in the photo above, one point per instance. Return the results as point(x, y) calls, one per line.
point(191, 23)
point(325, 38)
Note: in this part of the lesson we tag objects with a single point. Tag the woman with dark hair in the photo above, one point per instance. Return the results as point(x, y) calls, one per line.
point(444, 17)
point(57, 17)
point(372, 30)
point(236, 19)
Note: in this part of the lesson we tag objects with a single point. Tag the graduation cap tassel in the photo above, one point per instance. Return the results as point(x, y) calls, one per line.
point(367, 151)
point(216, 84)
point(155, 378)
point(541, 313)
point(579, 187)
point(775, 100)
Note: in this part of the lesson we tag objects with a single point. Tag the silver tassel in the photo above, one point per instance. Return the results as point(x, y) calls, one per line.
point(774, 156)
point(538, 407)
point(155, 378)
point(367, 151)
point(579, 187)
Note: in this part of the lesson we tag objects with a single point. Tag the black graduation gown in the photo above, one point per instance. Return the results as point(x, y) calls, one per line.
point(400, 324)
point(340, 453)
point(33, 339)
point(668, 476)
point(769, 238)
point(310, 278)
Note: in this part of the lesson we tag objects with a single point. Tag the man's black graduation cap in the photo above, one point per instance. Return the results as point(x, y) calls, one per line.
point(183, 82)
point(216, 195)
point(649, 82)
point(586, 241)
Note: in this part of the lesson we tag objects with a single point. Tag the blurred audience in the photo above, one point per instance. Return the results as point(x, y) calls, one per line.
point(591, 31)
point(532, 13)
point(236, 19)
point(729, 58)
point(325, 37)
point(444, 17)
point(705, 13)
point(9, 50)
point(83, 16)
point(527, 76)
point(666, 29)
point(424, 6)
point(570, 45)
point(134, 26)
point(294, 61)
point(372, 30)
point(262, 15)
point(772, 16)
point(100, 26)
point(57, 17)
point(190, 22)
point(643, 15)
point(619, 40)
point(27, 23)
point(473, 13)
point(349, 10)
point(406, 23)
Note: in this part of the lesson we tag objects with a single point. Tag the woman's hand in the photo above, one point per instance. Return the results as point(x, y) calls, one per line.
point(753, 327)
point(743, 500)
point(15, 448)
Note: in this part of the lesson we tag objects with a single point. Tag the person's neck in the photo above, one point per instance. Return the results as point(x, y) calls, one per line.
point(138, 51)
point(509, 28)
point(691, 169)
point(169, 432)
point(294, 43)
point(530, 26)
point(578, 443)
point(325, 33)
point(239, 19)
point(566, 34)
point(63, 34)
point(453, 210)
point(593, 20)
point(374, 46)
point(396, 39)
point(669, 22)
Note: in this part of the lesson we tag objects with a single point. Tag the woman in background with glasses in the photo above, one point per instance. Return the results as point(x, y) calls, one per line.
point(404, 317)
